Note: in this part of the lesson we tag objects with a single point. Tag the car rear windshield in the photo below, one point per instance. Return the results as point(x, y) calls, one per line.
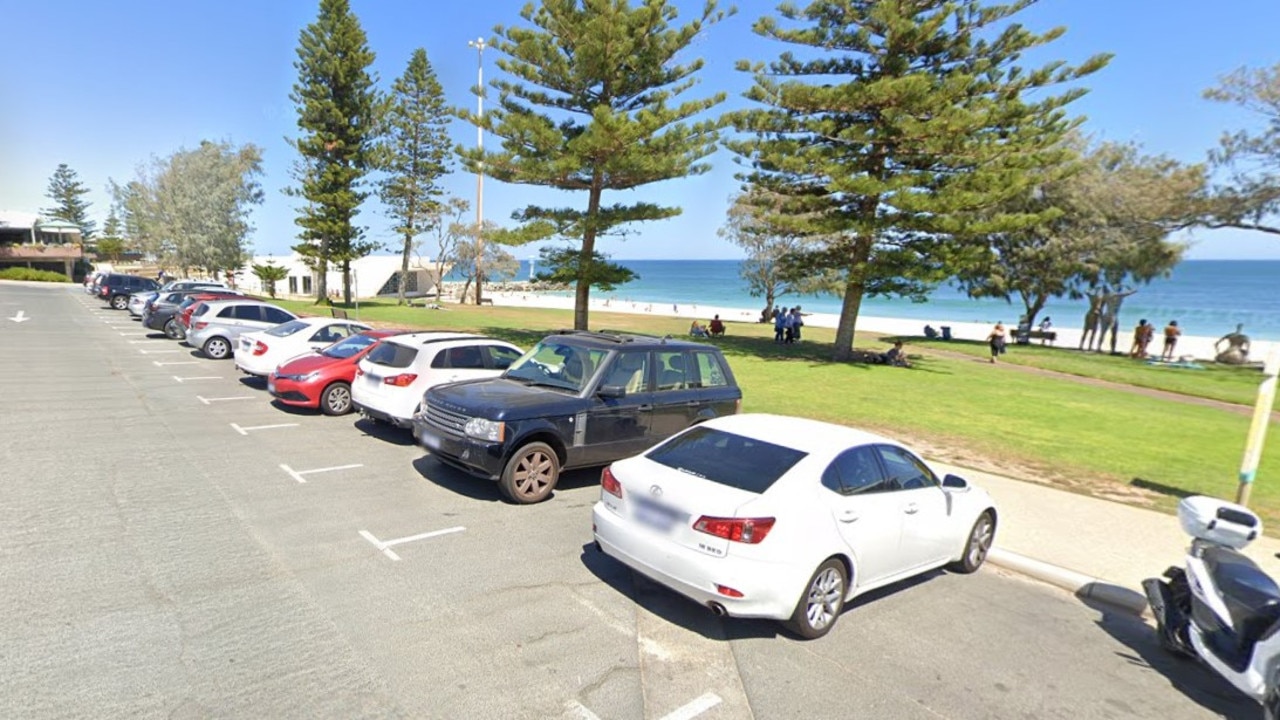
point(346, 348)
point(288, 328)
point(392, 355)
point(728, 459)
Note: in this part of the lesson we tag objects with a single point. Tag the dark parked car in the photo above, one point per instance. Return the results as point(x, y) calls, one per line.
point(115, 288)
point(577, 399)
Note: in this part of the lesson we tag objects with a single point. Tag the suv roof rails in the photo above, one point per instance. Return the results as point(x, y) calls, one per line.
point(617, 336)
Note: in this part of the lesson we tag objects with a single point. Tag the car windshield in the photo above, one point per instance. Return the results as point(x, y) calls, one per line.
point(287, 329)
point(344, 349)
point(728, 459)
point(557, 364)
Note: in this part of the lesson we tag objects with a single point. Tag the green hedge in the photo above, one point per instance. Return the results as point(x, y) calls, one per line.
point(21, 273)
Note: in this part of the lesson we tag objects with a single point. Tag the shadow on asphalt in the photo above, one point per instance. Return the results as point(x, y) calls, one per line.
point(387, 433)
point(477, 488)
point(253, 381)
point(287, 409)
point(1186, 675)
point(1160, 488)
point(684, 612)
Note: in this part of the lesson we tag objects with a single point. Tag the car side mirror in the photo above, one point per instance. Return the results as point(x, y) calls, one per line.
point(955, 482)
point(612, 391)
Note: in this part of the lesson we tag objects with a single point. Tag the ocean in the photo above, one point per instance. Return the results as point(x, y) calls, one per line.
point(1206, 297)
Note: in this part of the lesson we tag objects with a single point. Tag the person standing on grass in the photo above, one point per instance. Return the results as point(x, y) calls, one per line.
point(1171, 334)
point(779, 324)
point(996, 340)
point(1142, 335)
point(797, 322)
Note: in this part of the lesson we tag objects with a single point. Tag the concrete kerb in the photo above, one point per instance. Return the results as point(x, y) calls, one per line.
point(1081, 585)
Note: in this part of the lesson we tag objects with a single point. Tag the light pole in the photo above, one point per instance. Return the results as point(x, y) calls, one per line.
point(479, 45)
point(1258, 428)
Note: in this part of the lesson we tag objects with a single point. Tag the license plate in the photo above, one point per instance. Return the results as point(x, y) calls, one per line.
point(656, 516)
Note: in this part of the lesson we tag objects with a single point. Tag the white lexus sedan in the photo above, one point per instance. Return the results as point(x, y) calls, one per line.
point(258, 353)
point(767, 516)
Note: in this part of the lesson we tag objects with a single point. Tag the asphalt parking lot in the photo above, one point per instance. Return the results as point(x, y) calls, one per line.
point(175, 545)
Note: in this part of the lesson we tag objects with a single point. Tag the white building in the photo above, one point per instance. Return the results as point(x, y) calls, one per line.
point(372, 276)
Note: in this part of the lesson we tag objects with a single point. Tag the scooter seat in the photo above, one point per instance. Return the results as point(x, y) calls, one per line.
point(1251, 596)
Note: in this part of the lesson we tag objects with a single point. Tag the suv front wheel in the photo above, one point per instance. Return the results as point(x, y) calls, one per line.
point(530, 474)
point(120, 302)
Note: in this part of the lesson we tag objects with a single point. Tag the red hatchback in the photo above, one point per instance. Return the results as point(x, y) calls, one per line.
point(323, 379)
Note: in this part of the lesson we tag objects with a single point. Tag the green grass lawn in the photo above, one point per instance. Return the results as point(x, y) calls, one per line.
point(960, 408)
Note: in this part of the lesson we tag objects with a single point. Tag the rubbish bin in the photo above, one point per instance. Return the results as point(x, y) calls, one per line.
point(946, 332)
point(1022, 335)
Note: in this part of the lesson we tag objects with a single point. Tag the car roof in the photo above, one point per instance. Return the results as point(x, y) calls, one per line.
point(218, 304)
point(607, 340)
point(427, 338)
point(811, 436)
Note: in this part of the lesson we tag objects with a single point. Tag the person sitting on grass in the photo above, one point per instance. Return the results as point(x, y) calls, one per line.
point(716, 328)
point(697, 330)
point(895, 356)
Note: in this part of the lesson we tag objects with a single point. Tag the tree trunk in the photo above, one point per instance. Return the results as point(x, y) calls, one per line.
point(582, 297)
point(322, 273)
point(466, 288)
point(404, 266)
point(852, 301)
point(346, 281)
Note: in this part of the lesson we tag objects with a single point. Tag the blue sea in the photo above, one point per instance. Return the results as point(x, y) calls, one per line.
point(1206, 297)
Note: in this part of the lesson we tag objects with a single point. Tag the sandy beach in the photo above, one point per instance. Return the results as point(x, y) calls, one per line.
point(1190, 347)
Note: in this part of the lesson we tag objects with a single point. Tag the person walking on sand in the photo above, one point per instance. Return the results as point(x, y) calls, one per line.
point(996, 340)
point(1171, 333)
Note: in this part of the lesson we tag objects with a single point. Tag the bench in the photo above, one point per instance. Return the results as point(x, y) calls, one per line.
point(486, 301)
point(1026, 336)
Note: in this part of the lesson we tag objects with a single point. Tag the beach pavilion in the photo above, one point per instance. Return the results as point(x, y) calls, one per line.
point(27, 240)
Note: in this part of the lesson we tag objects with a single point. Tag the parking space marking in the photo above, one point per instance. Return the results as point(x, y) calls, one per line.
point(157, 352)
point(385, 545)
point(210, 401)
point(140, 342)
point(157, 363)
point(297, 474)
point(133, 334)
point(694, 708)
point(197, 377)
point(245, 430)
point(581, 712)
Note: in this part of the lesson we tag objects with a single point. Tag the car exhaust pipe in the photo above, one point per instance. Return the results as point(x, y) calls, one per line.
point(717, 609)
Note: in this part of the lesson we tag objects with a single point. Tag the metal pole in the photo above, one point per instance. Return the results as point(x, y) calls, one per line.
point(1258, 428)
point(479, 45)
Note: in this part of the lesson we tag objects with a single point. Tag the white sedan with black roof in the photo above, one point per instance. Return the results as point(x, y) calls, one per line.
point(767, 516)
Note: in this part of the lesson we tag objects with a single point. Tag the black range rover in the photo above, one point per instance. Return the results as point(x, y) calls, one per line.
point(577, 399)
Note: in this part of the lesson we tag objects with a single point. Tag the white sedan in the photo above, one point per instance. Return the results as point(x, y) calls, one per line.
point(258, 353)
point(786, 518)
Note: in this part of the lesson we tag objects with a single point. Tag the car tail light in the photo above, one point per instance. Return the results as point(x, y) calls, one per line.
point(259, 347)
point(609, 482)
point(201, 325)
point(401, 380)
point(744, 530)
point(728, 591)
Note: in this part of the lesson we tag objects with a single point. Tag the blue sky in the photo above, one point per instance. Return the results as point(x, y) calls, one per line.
point(106, 86)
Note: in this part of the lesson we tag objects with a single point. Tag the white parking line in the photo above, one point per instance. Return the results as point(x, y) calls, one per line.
point(134, 334)
point(197, 377)
point(297, 474)
point(580, 711)
point(693, 709)
point(385, 546)
point(210, 401)
point(157, 363)
point(157, 352)
point(245, 430)
point(140, 342)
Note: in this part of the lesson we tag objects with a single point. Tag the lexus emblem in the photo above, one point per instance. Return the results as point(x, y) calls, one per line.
point(655, 491)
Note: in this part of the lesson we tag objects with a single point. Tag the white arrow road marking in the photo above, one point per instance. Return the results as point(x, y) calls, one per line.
point(297, 474)
point(210, 401)
point(20, 317)
point(385, 545)
point(245, 430)
point(581, 712)
point(198, 377)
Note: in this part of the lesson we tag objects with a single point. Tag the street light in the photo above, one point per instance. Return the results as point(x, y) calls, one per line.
point(479, 45)
point(1258, 427)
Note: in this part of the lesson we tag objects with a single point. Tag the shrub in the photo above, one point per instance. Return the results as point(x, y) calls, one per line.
point(21, 273)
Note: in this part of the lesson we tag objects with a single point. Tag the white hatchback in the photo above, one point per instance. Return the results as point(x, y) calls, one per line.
point(258, 353)
point(786, 518)
point(392, 378)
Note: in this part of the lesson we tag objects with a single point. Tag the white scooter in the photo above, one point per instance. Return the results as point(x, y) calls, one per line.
point(1222, 608)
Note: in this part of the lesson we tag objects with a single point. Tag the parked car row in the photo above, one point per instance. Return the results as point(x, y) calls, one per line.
point(750, 515)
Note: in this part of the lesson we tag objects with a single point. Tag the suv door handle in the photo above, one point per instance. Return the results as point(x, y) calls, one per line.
point(848, 516)
point(911, 509)
point(645, 408)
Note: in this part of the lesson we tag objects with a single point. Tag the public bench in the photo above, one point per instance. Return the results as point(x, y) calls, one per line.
point(1027, 336)
point(486, 301)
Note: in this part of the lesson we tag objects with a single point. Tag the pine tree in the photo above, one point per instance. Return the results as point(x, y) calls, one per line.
point(594, 107)
point(337, 114)
point(891, 128)
point(417, 154)
point(67, 193)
